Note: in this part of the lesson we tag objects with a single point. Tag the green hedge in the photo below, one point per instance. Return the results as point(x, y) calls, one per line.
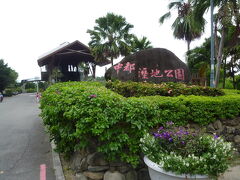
point(77, 113)
point(138, 89)
point(8, 92)
point(30, 90)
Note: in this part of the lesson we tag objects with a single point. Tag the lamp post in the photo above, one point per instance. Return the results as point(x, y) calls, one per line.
point(212, 83)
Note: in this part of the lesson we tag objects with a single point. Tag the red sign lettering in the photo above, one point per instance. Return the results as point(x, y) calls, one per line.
point(169, 73)
point(179, 74)
point(142, 73)
point(155, 73)
point(118, 67)
point(129, 67)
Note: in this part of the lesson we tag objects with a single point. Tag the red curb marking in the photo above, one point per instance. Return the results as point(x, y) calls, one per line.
point(43, 172)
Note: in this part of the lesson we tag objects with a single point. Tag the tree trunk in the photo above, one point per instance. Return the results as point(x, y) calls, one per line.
point(94, 71)
point(224, 71)
point(219, 57)
point(112, 61)
point(188, 48)
point(233, 77)
point(216, 39)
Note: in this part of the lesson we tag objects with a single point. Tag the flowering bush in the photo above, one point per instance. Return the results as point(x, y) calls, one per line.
point(138, 89)
point(184, 151)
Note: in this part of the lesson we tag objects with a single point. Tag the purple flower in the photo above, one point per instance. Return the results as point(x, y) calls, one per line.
point(93, 96)
point(161, 128)
point(183, 142)
point(215, 136)
point(156, 135)
point(169, 123)
point(170, 139)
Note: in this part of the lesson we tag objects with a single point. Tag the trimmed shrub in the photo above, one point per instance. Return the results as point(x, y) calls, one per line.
point(30, 90)
point(78, 114)
point(138, 89)
point(8, 92)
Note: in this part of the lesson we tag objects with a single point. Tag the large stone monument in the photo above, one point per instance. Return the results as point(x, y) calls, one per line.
point(150, 65)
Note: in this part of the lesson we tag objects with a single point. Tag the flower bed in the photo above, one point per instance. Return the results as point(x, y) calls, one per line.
point(184, 152)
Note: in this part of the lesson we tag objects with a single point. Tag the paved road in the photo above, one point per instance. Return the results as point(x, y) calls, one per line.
point(24, 146)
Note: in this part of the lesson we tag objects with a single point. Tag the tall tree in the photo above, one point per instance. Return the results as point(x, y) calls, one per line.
point(110, 38)
point(228, 13)
point(184, 27)
point(140, 44)
point(198, 60)
point(7, 76)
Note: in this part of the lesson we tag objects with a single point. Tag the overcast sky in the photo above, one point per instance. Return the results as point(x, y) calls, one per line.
point(30, 28)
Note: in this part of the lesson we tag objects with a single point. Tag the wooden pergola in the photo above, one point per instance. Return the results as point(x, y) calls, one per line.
point(62, 63)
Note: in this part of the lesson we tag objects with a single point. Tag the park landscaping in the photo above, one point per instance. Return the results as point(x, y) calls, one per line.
point(80, 115)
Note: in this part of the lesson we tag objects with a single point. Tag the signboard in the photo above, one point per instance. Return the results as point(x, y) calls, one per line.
point(151, 65)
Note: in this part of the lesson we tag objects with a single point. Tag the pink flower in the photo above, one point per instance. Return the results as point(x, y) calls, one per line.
point(93, 96)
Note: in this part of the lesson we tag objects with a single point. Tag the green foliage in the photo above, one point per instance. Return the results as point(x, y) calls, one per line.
point(31, 90)
point(137, 89)
point(42, 85)
point(8, 92)
point(7, 76)
point(12, 91)
point(140, 44)
point(184, 26)
point(198, 58)
point(80, 113)
point(30, 85)
point(110, 37)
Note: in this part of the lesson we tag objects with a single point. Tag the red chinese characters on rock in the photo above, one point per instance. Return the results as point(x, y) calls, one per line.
point(118, 67)
point(179, 74)
point(129, 67)
point(169, 73)
point(156, 73)
point(145, 73)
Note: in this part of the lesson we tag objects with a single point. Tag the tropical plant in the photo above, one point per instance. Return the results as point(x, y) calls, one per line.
point(184, 27)
point(110, 38)
point(227, 15)
point(184, 151)
point(140, 44)
point(233, 66)
point(199, 61)
point(199, 56)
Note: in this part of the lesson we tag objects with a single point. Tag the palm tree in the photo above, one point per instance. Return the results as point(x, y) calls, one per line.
point(140, 44)
point(227, 9)
point(184, 27)
point(110, 38)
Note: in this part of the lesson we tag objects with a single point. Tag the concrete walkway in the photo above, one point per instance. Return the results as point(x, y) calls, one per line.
point(25, 151)
point(233, 173)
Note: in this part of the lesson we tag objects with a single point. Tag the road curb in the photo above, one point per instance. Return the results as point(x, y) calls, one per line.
point(57, 163)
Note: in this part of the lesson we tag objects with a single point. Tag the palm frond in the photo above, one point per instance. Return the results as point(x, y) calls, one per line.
point(175, 4)
point(164, 17)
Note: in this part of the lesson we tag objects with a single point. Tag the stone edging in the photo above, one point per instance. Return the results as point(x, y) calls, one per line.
point(57, 166)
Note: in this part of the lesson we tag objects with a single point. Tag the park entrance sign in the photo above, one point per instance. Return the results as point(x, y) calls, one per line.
point(151, 65)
